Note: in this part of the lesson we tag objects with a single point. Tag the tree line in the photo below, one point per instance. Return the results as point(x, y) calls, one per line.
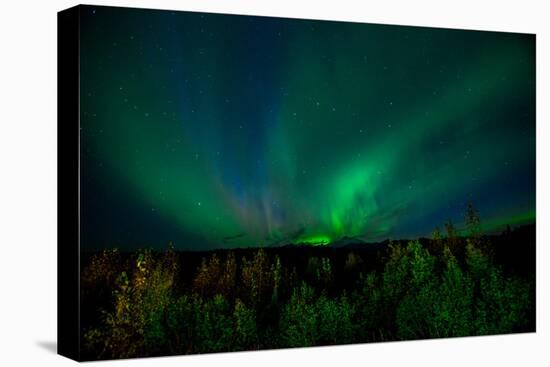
point(449, 287)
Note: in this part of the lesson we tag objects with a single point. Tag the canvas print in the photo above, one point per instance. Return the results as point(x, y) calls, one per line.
point(252, 183)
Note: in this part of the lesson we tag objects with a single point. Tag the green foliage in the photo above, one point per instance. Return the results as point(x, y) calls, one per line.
point(208, 276)
point(245, 329)
point(453, 309)
point(436, 235)
point(370, 311)
point(216, 277)
point(502, 303)
point(135, 323)
point(257, 280)
point(395, 275)
point(334, 320)
point(299, 319)
point(180, 322)
point(260, 303)
point(213, 325)
point(414, 315)
point(308, 320)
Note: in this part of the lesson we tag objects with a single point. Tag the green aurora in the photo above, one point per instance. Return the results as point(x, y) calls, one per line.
point(231, 131)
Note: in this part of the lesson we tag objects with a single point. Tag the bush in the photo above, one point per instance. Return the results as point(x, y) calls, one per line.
point(213, 325)
point(455, 300)
point(298, 325)
point(246, 334)
point(307, 320)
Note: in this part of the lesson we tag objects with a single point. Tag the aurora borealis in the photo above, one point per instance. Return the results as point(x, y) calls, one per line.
point(234, 131)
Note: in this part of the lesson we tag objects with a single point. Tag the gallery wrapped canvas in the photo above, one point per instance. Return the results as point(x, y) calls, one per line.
point(239, 183)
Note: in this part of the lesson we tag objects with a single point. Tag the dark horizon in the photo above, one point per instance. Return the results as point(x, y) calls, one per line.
point(341, 244)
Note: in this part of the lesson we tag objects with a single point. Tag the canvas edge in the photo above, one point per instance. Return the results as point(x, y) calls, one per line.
point(68, 184)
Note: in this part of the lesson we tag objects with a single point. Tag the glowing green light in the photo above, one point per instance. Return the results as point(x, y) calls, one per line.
point(319, 240)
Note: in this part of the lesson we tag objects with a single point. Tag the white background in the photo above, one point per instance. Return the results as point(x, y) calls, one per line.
point(28, 182)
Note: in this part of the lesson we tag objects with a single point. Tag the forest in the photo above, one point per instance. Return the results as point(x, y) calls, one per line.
point(455, 283)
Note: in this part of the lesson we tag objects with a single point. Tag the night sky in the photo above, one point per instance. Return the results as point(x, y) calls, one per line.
point(230, 131)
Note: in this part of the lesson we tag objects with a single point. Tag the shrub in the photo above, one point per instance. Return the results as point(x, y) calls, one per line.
point(298, 324)
point(245, 332)
point(455, 301)
point(213, 325)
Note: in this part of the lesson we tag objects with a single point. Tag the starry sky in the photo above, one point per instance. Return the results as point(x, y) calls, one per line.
point(231, 131)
